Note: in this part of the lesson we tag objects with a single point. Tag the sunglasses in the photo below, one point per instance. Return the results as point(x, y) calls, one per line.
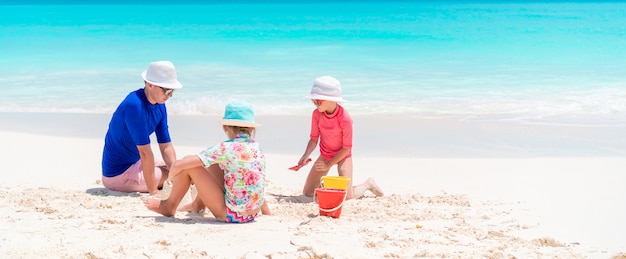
point(317, 102)
point(166, 91)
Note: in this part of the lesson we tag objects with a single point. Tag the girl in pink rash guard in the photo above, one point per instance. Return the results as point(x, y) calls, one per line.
point(331, 127)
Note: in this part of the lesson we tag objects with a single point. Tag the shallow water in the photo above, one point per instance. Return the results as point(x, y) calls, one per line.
point(546, 62)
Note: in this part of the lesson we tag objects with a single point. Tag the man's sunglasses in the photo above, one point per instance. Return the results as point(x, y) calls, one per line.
point(166, 91)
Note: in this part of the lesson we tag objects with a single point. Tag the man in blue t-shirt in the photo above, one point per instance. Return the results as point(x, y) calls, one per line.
point(128, 163)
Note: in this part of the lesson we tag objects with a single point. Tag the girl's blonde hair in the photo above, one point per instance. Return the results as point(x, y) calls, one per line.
point(241, 130)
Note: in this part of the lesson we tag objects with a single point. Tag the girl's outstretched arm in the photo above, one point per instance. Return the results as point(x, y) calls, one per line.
point(311, 145)
point(189, 161)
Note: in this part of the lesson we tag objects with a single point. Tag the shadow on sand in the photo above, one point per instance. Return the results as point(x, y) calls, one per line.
point(107, 192)
point(291, 198)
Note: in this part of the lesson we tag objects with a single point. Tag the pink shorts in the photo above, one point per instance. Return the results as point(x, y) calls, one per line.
point(132, 179)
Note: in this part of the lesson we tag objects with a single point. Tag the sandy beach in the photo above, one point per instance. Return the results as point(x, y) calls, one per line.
point(453, 189)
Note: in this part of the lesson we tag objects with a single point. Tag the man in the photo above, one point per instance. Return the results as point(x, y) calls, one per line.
point(128, 163)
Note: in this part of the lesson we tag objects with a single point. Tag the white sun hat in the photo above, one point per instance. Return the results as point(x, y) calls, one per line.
point(326, 88)
point(163, 74)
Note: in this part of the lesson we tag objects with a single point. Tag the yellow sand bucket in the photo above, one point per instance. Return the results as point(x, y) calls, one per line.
point(335, 182)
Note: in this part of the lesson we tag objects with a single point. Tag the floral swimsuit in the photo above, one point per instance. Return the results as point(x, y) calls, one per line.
point(243, 163)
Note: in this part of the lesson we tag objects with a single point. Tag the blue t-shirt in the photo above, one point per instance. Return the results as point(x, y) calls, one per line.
point(134, 120)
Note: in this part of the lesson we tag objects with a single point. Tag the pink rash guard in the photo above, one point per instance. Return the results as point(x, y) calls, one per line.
point(333, 130)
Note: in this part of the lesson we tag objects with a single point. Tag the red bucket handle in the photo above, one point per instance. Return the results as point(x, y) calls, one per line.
point(345, 195)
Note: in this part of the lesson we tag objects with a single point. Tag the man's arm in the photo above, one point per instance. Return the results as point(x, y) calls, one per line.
point(168, 153)
point(147, 163)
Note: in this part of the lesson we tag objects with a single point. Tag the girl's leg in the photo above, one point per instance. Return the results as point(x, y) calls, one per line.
point(197, 205)
point(344, 168)
point(217, 174)
point(180, 186)
point(265, 209)
point(313, 180)
point(368, 185)
point(210, 189)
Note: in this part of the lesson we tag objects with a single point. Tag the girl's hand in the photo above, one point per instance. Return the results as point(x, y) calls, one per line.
point(321, 165)
point(300, 165)
point(303, 161)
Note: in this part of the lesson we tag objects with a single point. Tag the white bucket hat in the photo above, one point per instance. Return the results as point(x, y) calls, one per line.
point(163, 74)
point(326, 88)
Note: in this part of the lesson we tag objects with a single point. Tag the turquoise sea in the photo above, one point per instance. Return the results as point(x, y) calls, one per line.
point(545, 62)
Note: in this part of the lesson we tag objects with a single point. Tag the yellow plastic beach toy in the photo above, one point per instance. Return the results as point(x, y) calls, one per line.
point(335, 182)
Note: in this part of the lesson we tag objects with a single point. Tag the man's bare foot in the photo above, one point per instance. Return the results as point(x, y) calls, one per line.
point(373, 187)
point(157, 205)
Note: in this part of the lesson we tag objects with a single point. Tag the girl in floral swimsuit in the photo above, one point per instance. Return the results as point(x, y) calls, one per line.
point(229, 177)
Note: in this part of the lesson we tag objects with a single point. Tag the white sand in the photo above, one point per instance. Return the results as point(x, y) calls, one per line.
point(454, 189)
